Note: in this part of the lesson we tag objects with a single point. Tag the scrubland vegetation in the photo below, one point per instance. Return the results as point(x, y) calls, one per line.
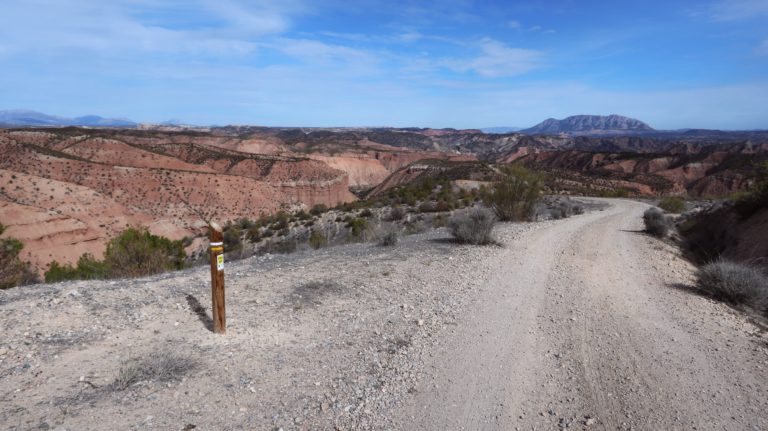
point(657, 223)
point(708, 232)
point(672, 204)
point(133, 253)
point(474, 226)
point(433, 201)
point(13, 272)
point(735, 283)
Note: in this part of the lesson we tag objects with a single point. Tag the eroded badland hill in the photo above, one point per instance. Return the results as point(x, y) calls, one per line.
point(67, 191)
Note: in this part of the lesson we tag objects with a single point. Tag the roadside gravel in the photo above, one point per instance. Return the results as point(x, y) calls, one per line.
point(576, 323)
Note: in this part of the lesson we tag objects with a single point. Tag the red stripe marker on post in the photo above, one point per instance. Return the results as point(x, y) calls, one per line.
point(217, 279)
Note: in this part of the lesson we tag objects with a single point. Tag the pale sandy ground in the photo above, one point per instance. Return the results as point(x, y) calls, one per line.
point(577, 323)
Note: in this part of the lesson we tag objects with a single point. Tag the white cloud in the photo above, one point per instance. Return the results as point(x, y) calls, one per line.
point(514, 24)
point(122, 26)
point(499, 60)
point(762, 49)
point(313, 51)
point(734, 10)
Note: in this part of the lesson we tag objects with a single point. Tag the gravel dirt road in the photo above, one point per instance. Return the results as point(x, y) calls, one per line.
point(581, 323)
point(587, 324)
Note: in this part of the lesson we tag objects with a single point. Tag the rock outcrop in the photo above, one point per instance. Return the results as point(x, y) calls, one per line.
point(589, 124)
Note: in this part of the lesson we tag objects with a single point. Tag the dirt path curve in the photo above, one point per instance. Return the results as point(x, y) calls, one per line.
point(580, 328)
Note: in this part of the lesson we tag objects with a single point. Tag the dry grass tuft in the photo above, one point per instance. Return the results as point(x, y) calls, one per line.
point(161, 365)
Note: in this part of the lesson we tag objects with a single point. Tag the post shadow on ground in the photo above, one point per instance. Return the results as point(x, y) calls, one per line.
point(637, 232)
point(690, 288)
point(199, 310)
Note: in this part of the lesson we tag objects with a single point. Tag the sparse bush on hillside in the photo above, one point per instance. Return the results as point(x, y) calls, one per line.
point(474, 226)
point(13, 272)
point(137, 252)
point(617, 193)
point(317, 239)
point(133, 253)
point(285, 246)
point(232, 238)
point(57, 272)
point(253, 234)
point(389, 238)
point(357, 226)
point(414, 227)
point(396, 213)
point(757, 196)
point(514, 197)
point(657, 223)
point(87, 268)
point(735, 283)
point(672, 204)
point(427, 207)
point(318, 209)
point(440, 220)
point(280, 220)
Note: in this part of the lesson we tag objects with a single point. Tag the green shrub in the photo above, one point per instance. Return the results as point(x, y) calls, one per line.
point(357, 226)
point(286, 246)
point(735, 283)
point(657, 223)
point(389, 239)
point(13, 272)
point(280, 220)
point(253, 234)
point(756, 197)
point(88, 268)
point(57, 272)
point(317, 239)
point(232, 238)
point(514, 197)
point(413, 228)
point(396, 213)
point(318, 209)
point(472, 227)
point(136, 252)
point(427, 207)
point(440, 220)
point(672, 204)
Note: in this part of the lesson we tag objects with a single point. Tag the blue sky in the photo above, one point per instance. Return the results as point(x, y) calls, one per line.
point(453, 63)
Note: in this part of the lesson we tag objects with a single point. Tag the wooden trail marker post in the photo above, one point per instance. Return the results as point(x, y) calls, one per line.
point(217, 279)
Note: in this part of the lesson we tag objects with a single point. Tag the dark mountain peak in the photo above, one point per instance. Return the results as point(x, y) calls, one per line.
point(589, 124)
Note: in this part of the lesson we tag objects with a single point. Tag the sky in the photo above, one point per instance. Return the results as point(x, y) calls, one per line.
point(450, 63)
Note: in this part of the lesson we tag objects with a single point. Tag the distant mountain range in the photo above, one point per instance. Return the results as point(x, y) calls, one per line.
point(32, 118)
point(577, 125)
point(589, 124)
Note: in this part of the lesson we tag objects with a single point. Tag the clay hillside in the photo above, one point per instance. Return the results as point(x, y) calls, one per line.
point(67, 191)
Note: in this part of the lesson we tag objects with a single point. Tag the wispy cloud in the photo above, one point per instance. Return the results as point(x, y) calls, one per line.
point(733, 10)
point(319, 53)
point(499, 60)
point(762, 49)
point(120, 26)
